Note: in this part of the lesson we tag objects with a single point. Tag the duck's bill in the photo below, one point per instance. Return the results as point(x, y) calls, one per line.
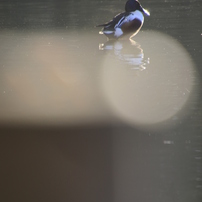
point(146, 12)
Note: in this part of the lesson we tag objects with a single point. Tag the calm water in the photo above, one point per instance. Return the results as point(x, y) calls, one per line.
point(85, 119)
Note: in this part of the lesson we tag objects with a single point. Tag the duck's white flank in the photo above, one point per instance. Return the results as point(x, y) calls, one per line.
point(118, 32)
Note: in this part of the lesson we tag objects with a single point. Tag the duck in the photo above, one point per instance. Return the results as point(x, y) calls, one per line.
point(125, 23)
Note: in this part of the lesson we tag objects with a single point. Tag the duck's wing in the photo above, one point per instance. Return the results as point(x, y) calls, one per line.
point(116, 21)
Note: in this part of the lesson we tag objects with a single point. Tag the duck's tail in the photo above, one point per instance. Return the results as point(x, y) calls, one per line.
point(103, 25)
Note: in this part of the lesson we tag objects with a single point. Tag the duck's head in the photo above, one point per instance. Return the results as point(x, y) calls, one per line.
point(133, 5)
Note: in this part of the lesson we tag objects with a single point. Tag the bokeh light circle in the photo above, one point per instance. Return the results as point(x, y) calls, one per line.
point(157, 93)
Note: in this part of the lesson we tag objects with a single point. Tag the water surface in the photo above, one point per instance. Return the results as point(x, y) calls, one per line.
point(84, 119)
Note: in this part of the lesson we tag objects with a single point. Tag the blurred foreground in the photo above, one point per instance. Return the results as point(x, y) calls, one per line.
point(61, 79)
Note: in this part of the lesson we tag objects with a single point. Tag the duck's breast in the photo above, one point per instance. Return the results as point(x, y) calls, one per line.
point(133, 22)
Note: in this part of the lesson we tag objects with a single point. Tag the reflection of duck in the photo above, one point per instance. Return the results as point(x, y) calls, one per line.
point(128, 22)
point(128, 51)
